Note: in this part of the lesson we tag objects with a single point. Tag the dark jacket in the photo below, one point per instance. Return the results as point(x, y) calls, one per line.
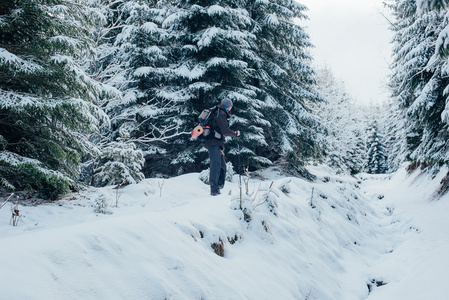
point(220, 125)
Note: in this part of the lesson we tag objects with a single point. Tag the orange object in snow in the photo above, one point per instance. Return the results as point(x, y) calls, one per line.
point(197, 131)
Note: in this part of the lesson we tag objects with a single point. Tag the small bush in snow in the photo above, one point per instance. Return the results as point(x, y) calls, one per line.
point(204, 175)
point(243, 205)
point(229, 171)
point(268, 197)
point(102, 206)
point(123, 163)
point(285, 187)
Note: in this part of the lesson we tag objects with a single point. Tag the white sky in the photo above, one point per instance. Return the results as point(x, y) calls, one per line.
point(353, 39)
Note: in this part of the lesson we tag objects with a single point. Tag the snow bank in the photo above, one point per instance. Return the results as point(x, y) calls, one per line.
point(296, 240)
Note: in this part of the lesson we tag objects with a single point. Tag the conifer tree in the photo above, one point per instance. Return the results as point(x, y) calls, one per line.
point(377, 155)
point(395, 138)
point(284, 79)
point(356, 154)
point(254, 54)
point(45, 97)
point(419, 81)
point(186, 55)
point(214, 54)
point(122, 163)
point(344, 125)
point(133, 57)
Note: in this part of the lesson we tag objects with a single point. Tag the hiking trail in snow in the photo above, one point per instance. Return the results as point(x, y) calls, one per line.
point(338, 237)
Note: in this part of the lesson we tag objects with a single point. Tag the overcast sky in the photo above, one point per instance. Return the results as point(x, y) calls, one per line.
point(353, 39)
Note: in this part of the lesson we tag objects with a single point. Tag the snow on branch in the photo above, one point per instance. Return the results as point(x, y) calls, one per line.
point(55, 9)
point(427, 5)
point(426, 99)
point(16, 160)
point(271, 20)
point(150, 27)
point(18, 101)
point(220, 61)
point(22, 65)
point(61, 39)
point(195, 73)
point(22, 101)
point(207, 37)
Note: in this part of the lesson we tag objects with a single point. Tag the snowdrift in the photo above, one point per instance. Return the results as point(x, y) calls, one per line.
point(334, 238)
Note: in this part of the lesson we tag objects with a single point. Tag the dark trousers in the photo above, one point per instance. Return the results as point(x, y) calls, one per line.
point(217, 172)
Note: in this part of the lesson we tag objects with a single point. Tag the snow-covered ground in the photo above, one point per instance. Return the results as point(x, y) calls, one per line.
point(334, 238)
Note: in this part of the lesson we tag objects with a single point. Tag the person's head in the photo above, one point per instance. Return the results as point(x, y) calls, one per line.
point(227, 104)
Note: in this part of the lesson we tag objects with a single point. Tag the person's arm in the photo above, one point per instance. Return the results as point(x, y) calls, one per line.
point(224, 127)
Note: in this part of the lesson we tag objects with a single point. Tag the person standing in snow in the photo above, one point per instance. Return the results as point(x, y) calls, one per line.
point(215, 146)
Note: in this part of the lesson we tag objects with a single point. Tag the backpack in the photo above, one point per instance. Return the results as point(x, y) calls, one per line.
point(203, 131)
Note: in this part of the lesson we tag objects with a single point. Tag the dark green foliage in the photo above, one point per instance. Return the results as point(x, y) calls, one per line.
point(44, 96)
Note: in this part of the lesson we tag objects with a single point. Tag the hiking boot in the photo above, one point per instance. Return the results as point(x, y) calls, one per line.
point(215, 193)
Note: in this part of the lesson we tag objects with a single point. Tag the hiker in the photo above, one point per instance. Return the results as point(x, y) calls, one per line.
point(215, 146)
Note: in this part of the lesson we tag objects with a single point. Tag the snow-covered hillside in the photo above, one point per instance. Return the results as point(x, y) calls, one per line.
point(334, 238)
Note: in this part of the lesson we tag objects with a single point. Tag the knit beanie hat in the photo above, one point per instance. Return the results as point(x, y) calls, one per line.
point(226, 103)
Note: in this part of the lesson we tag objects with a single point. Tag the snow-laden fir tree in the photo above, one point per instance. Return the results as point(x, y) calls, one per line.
point(254, 54)
point(377, 153)
point(45, 97)
point(121, 163)
point(344, 124)
point(284, 80)
point(183, 56)
point(133, 56)
point(419, 81)
point(356, 152)
point(103, 68)
point(213, 54)
point(395, 137)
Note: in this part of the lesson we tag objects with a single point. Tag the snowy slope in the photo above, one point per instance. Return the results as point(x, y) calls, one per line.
point(418, 265)
point(157, 244)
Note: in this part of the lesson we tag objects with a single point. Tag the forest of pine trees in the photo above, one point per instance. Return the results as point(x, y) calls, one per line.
point(107, 93)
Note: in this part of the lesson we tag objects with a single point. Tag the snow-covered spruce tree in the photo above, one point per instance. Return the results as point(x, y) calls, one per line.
point(184, 56)
point(331, 90)
point(45, 98)
point(242, 51)
point(377, 154)
point(419, 81)
point(213, 54)
point(356, 152)
point(395, 137)
point(284, 80)
point(133, 56)
point(343, 120)
point(101, 50)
